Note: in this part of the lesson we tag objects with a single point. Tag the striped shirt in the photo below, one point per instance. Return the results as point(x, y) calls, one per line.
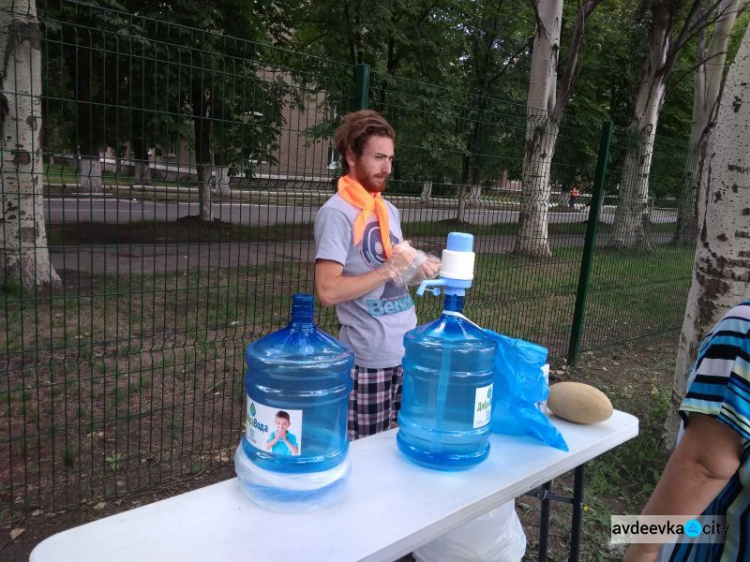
point(719, 386)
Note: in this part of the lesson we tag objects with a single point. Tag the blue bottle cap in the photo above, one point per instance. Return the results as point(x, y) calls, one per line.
point(460, 242)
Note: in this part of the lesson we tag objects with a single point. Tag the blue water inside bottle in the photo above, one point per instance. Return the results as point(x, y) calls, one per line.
point(444, 422)
point(297, 382)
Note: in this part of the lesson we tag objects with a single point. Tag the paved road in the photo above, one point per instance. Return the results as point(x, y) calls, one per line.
point(160, 258)
point(112, 210)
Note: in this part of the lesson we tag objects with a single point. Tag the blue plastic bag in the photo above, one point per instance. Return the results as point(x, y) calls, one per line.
point(519, 386)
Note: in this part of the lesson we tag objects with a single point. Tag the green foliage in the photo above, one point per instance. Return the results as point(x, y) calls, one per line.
point(136, 72)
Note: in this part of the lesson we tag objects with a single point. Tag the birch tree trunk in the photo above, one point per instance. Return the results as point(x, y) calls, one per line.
point(475, 195)
point(426, 195)
point(90, 173)
point(631, 217)
point(201, 100)
point(221, 166)
point(223, 180)
point(708, 77)
point(461, 196)
point(541, 133)
point(721, 275)
point(24, 254)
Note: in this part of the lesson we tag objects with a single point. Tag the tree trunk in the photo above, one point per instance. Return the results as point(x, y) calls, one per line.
point(222, 173)
point(222, 180)
point(541, 133)
point(707, 87)
point(89, 163)
point(141, 163)
point(564, 199)
point(90, 172)
point(426, 195)
point(24, 254)
point(475, 194)
point(461, 194)
point(721, 273)
point(533, 236)
point(201, 102)
point(631, 217)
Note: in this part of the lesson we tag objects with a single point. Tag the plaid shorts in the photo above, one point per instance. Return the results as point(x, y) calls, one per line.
point(374, 401)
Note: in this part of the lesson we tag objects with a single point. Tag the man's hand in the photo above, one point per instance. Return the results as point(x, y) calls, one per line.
point(428, 270)
point(402, 257)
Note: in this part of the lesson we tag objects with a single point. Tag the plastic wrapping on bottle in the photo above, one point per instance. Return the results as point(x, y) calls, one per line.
point(290, 493)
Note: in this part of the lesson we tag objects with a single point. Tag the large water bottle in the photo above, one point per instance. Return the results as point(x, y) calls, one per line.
point(293, 456)
point(444, 422)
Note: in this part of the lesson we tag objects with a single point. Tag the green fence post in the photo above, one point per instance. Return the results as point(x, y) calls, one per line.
point(589, 244)
point(361, 86)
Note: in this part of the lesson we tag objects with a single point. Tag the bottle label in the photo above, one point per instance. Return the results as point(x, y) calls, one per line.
point(273, 430)
point(482, 406)
point(542, 406)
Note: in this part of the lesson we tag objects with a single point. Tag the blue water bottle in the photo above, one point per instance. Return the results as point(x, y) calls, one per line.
point(293, 455)
point(446, 409)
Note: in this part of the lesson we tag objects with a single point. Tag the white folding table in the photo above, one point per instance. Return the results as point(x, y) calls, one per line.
point(390, 508)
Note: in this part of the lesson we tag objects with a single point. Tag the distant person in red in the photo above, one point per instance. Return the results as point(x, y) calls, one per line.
point(573, 196)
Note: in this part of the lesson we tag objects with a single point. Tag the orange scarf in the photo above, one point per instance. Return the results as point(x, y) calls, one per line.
point(353, 193)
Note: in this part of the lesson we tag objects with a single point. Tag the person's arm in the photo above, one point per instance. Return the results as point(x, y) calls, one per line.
point(333, 287)
point(706, 458)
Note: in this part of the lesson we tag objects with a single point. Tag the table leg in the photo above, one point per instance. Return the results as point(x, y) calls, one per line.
point(575, 532)
point(544, 522)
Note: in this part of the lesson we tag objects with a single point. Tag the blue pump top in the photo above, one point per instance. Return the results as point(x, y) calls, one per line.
point(460, 242)
point(456, 242)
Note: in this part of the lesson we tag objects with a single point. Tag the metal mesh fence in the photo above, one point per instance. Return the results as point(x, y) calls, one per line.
point(641, 270)
point(132, 371)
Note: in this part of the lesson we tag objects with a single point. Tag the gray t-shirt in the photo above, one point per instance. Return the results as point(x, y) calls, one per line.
point(374, 324)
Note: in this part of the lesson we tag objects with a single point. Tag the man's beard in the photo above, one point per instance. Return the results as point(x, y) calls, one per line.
point(373, 187)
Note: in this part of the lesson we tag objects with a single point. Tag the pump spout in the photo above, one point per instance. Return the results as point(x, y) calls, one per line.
point(435, 283)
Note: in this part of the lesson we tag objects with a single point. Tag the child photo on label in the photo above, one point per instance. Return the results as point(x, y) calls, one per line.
point(282, 441)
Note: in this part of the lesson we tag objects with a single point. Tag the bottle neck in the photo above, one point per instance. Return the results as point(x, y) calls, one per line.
point(302, 311)
point(453, 303)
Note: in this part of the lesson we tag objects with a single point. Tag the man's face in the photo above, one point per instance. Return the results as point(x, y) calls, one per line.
point(282, 425)
point(373, 167)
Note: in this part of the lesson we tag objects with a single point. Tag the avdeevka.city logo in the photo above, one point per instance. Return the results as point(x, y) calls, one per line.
point(693, 528)
point(668, 528)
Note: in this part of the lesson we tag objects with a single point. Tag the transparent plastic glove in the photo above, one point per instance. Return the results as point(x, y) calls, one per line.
point(401, 260)
point(428, 268)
